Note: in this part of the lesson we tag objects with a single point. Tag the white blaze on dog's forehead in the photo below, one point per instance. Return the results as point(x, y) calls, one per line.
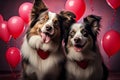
point(51, 15)
point(78, 29)
point(77, 26)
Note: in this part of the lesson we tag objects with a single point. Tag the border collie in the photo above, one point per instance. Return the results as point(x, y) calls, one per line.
point(43, 55)
point(84, 61)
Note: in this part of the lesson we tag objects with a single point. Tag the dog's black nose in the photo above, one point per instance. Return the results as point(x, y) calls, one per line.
point(48, 28)
point(77, 40)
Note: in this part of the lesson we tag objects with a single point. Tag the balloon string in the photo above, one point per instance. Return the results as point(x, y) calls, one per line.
point(8, 44)
point(91, 5)
point(113, 18)
point(13, 73)
point(15, 43)
point(108, 63)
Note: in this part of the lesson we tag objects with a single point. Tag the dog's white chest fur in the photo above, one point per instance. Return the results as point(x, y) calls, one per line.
point(38, 65)
point(74, 71)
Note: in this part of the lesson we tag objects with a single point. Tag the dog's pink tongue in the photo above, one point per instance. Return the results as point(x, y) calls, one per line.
point(45, 38)
point(77, 49)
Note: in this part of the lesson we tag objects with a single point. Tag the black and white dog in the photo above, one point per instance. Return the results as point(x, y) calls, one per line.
point(84, 61)
point(42, 52)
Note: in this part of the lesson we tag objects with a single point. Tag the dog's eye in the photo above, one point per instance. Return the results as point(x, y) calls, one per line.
point(56, 22)
point(42, 20)
point(84, 32)
point(72, 33)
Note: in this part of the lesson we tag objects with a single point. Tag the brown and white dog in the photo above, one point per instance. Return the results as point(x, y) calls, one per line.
point(84, 61)
point(42, 52)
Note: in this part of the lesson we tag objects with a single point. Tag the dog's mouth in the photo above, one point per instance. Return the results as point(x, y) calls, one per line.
point(78, 47)
point(46, 37)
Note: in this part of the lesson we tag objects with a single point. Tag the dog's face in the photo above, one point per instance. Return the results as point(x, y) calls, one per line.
point(79, 38)
point(51, 26)
point(82, 36)
point(47, 28)
point(46, 25)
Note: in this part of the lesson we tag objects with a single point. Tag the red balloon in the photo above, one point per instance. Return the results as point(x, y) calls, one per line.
point(113, 3)
point(24, 11)
point(76, 6)
point(15, 26)
point(1, 18)
point(13, 56)
point(4, 34)
point(111, 42)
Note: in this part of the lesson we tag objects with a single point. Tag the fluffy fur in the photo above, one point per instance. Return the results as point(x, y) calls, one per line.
point(44, 33)
point(84, 61)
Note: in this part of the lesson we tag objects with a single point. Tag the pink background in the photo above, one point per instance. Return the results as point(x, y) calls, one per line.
point(9, 8)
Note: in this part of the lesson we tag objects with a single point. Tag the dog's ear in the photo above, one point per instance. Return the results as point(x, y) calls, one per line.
point(67, 14)
point(68, 18)
point(38, 8)
point(92, 23)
